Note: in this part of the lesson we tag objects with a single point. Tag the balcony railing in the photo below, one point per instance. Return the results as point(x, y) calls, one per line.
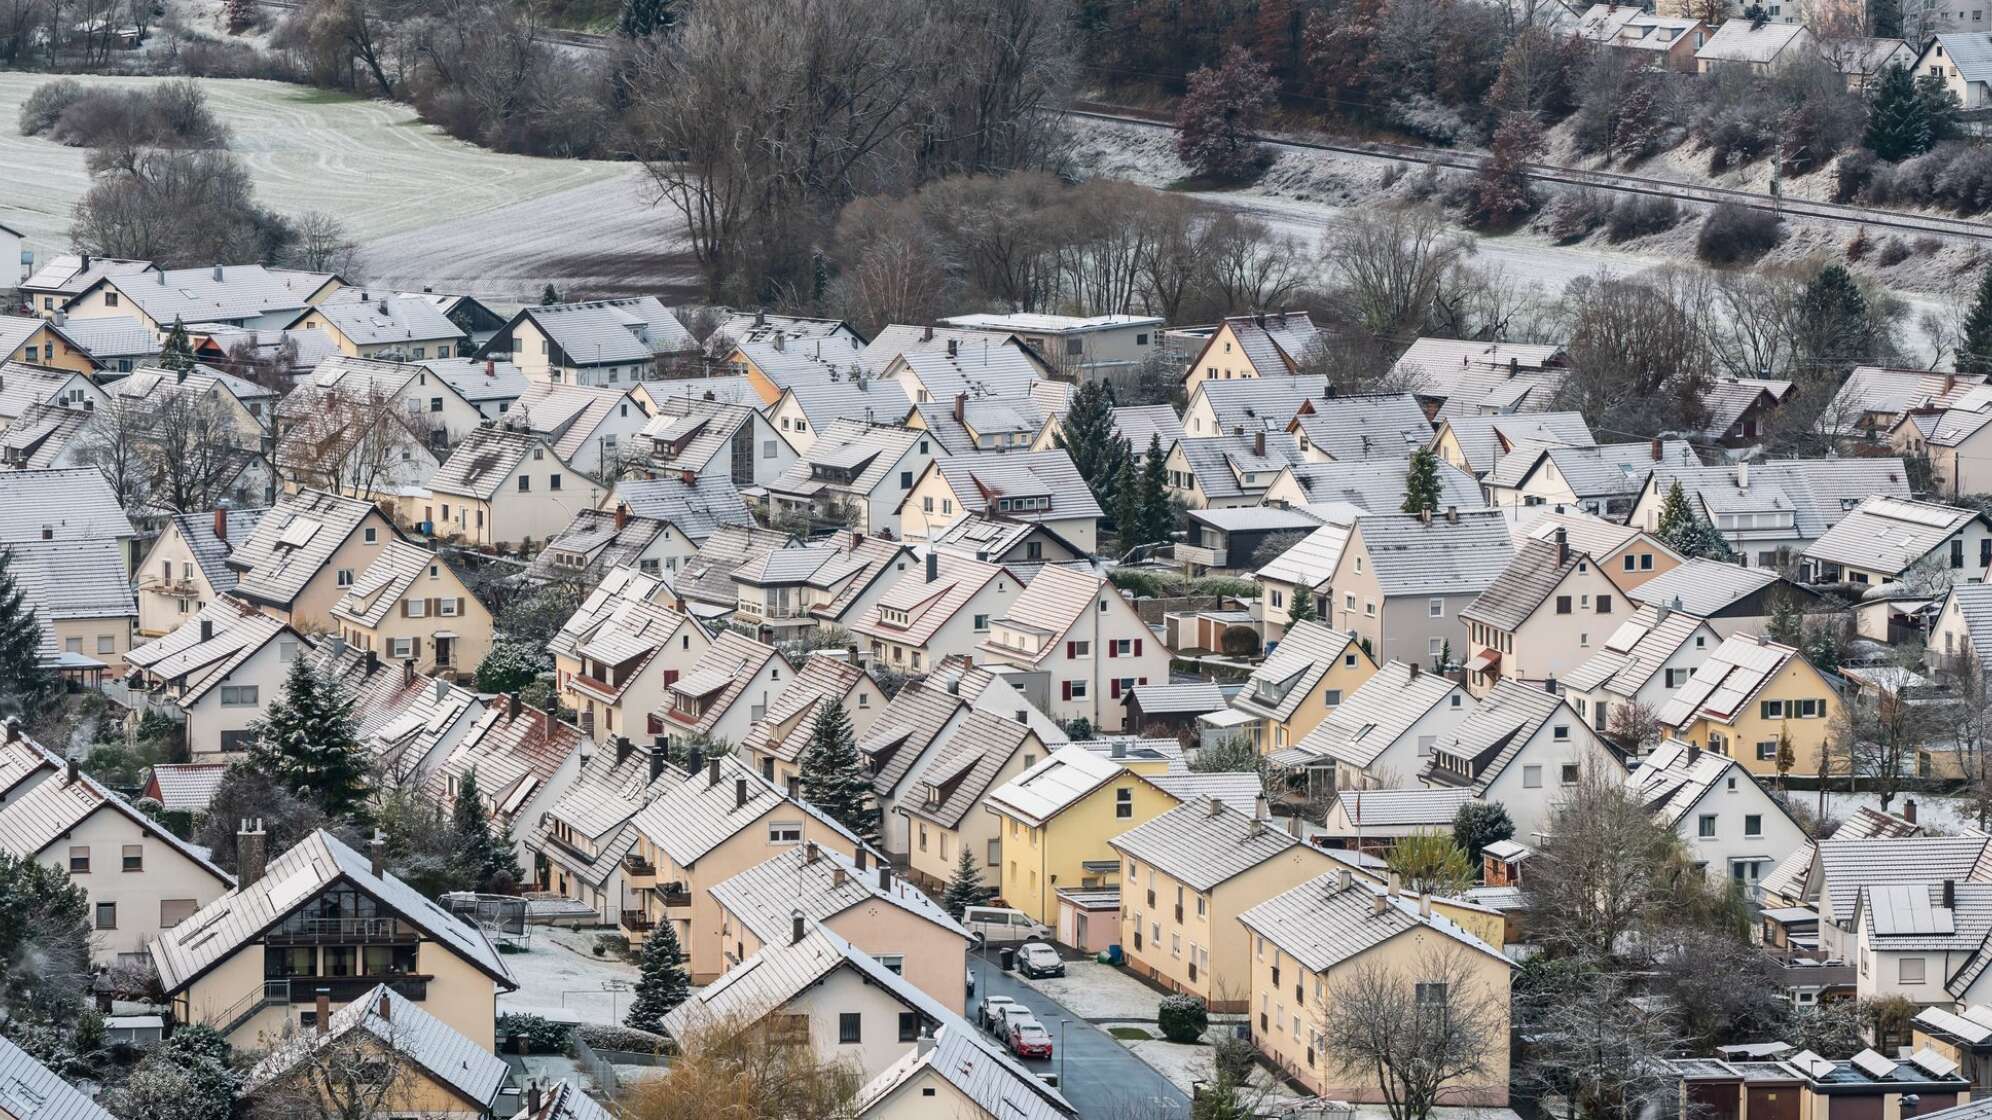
point(1198, 554)
point(637, 921)
point(637, 865)
point(345, 989)
point(157, 585)
point(315, 931)
point(674, 895)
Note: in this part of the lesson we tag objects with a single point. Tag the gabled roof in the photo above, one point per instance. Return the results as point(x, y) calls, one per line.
point(603, 331)
point(986, 538)
point(1529, 579)
point(485, 460)
point(817, 361)
point(215, 931)
point(1672, 779)
point(783, 970)
point(1203, 843)
point(381, 584)
point(687, 434)
point(293, 542)
point(1889, 534)
point(1056, 599)
point(1438, 556)
point(1221, 463)
point(911, 723)
point(869, 452)
point(1003, 371)
point(822, 884)
point(791, 717)
point(56, 806)
point(596, 540)
point(1849, 866)
point(212, 552)
point(1404, 808)
point(708, 577)
point(568, 416)
point(697, 508)
point(1178, 699)
point(30, 1090)
point(384, 320)
point(824, 402)
point(72, 503)
point(564, 1100)
point(1059, 781)
point(235, 631)
point(899, 338)
point(45, 436)
point(1729, 399)
point(1259, 404)
point(1703, 587)
point(1289, 676)
point(847, 563)
point(1814, 493)
point(1974, 603)
point(1722, 687)
point(223, 293)
point(1484, 439)
point(400, 1025)
point(1470, 377)
point(981, 482)
point(1636, 651)
point(21, 758)
point(954, 781)
point(698, 814)
point(927, 606)
point(981, 1071)
point(186, 786)
point(1362, 428)
point(761, 326)
point(24, 386)
point(73, 273)
point(1142, 424)
point(1606, 471)
point(1321, 923)
point(1586, 532)
point(63, 580)
point(1510, 715)
point(732, 662)
point(1275, 343)
point(1891, 392)
point(1378, 487)
point(479, 381)
point(1375, 715)
point(1746, 40)
point(515, 752)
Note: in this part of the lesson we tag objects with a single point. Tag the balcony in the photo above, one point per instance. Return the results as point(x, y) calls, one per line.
point(344, 931)
point(674, 896)
point(181, 588)
point(1200, 555)
point(637, 867)
point(636, 921)
point(345, 989)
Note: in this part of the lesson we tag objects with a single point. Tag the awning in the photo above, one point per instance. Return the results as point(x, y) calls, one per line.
point(1484, 660)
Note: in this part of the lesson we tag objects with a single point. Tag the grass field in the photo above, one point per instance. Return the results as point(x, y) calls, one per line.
point(429, 209)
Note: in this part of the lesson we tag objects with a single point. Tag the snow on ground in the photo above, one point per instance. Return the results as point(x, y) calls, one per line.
point(561, 972)
point(1947, 815)
point(1098, 992)
point(424, 205)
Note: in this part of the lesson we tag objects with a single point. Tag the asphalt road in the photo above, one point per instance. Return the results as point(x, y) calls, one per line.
point(1102, 1078)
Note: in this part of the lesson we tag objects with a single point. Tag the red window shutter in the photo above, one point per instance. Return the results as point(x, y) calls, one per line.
point(1113, 688)
point(1068, 689)
point(1113, 648)
point(1071, 651)
point(670, 677)
point(1137, 647)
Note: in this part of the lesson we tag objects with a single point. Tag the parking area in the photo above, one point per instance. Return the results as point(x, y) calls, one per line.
point(1101, 1077)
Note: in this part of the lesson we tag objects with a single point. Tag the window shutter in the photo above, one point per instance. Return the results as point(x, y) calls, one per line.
point(404, 608)
point(1144, 680)
point(1071, 651)
point(1137, 647)
point(459, 605)
point(1068, 689)
point(415, 648)
point(1113, 688)
point(1112, 648)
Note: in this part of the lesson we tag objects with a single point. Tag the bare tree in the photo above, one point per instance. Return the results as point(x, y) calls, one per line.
point(1633, 726)
point(1876, 734)
point(356, 1074)
point(323, 245)
point(352, 443)
point(1426, 1033)
point(1252, 268)
point(198, 448)
point(113, 442)
point(1602, 876)
point(737, 1068)
point(1593, 1042)
point(1392, 267)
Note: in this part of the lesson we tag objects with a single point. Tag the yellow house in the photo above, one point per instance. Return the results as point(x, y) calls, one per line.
point(1252, 346)
point(303, 554)
point(437, 1072)
point(940, 803)
point(1749, 693)
point(1306, 678)
point(41, 342)
point(777, 363)
point(1296, 970)
point(375, 325)
point(1185, 878)
point(410, 604)
point(327, 920)
point(1057, 820)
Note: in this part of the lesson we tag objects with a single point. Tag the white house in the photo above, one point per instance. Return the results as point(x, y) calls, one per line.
point(1728, 823)
point(1523, 747)
point(1084, 641)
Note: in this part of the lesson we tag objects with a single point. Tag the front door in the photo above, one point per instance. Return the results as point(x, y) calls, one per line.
point(443, 648)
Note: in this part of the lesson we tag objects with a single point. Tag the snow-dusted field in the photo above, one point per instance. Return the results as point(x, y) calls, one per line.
point(1949, 815)
point(1098, 992)
point(560, 973)
point(429, 209)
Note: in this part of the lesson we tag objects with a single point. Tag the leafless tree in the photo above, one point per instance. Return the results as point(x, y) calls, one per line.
point(1251, 267)
point(1633, 726)
point(114, 443)
point(1602, 876)
point(1594, 1044)
point(352, 443)
point(1425, 1033)
point(1640, 358)
point(1392, 266)
point(323, 245)
point(357, 1074)
point(198, 444)
point(1876, 734)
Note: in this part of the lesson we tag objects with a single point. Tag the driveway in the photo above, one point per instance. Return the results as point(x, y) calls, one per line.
point(1103, 1079)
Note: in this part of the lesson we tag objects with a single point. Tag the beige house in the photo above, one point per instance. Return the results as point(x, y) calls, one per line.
point(617, 656)
point(941, 804)
point(1093, 648)
point(963, 1074)
point(187, 566)
point(1403, 579)
point(1248, 346)
point(593, 342)
point(1475, 442)
point(581, 845)
point(1035, 486)
point(1217, 472)
point(411, 605)
point(142, 880)
point(1885, 539)
point(305, 552)
point(1604, 480)
point(1543, 616)
point(709, 827)
point(1186, 876)
point(942, 608)
point(505, 487)
point(247, 295)
point(1644, 662)
point(905, 736)
point(1631, 556)
point(78, 589)
point(438, 1073)
point(1383, 734)
point(219, 668)
point(388, 325)
point(775, 744)
point(1295, 972)
point(862, 902)
point(329, 920)
point(1303, 681)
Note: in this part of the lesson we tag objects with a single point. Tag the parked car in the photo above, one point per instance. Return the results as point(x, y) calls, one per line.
point(970, 972)
point(999, 924)
point(1028, 1038)
point(989, 1014)
point(1039, 959)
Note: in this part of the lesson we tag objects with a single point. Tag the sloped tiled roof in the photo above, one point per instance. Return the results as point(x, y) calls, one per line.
point(71, 273)
point(401, 1025)
point(484, 461)
point(370, 319)
point(698, 508)
point(698, 814)
point(1702, 587)
point(212, 552)
point(236, 632)
point(293, 542)
point(596, 537)
point(1636, 651)
point(187, 786)
point(63, 580)
point(869, 450)
point(222, 293)
point(976, 1066)
point(1059, 781)
point(1004, 372)
point(1974, 602)
point(785, 730)
point(900, 338)
point(1484, 439)
point(1363, 428)
point(1404, 808)
point(514, 755)
point(1264, 403)
point(1289, 676)
point(734, 659)
point(687, 434)
point(953, 783)
point(1888, 534)
point(72, 503)
point(1376, 715)
point(929, 605)
point(381, 584)
point(30, 1090)
point(1141, 424)
point(1322, 924)
point(1441, 556)
point(1605, 471)
point(568, 416)
point(822, 884)
point(1378, 487)
point(611, 331)
point(1508, 717)
point(1522, 586)
point(1723, 686)
point(1204, 842)
point(823, 402)
point(910, 724)
point(56, 806)
point(1218, 461)
point(1054, 601)
point(980, 482)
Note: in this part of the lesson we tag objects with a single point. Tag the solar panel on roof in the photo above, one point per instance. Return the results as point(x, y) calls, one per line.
point(1934, 1063)
point(299, 532)
point(1897, 510)
point(291, 891)
point(1874, 1065)
point(1810, 1064)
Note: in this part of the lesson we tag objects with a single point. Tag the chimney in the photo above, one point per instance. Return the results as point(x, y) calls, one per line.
point(712, 773)
point(1425, 904)
point(1562, 546)
point(1660, 612)
point(70, 772)
point(1254, 828)
point(961, 406)
point(1215, 808)
point(884, 877)
point(1452, 515)
point(795, 927)
point(378, 851)
point(837, 877)
point(1514, 366)
point(781, 343)
point(1909, 810)
point(952, 346)
point(324, 1010)
point(687, 477)
point(1344, 879)
point(386, 1007)
point(221, 524)
point(1416, 669)
point(1656, 449)
point(739, 792)
point(1950, 894)
point(927, 333)
point(511, 706)
point(622, 748)
point(490, 368)
point(861, 857)
point(657, 761)
point(1378, 903)
point(1743, 475)
point(1395, 884)
point(532, 1100)
point(1424, 517)
point(180, 377)
point(217, 273)
point(1549, 685)
point(1259, 442)
point(407, 672)
point(13, 730)
point(1694, 753)
point(694, 762)
point(622, 517)
point(1119, 749)
point(442, 689)
point(252, 852)
point(760, 316)
point(933, 565)
point(207, 629)
point(810, 852)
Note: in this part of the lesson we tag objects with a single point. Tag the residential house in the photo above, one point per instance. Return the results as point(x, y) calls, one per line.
point(1083, 348)
point(525, 761)
point(1233, 470)
point(1953, 439)
point(727, 692)
point(1022, 546)
point(582, 846)
point(1474, 443)
point(1307, 940)
point(293, 353)
point(491, 385)
point(711, 825)
point(1866, 1083)
point(50, 437)
point(855, 474)
point(322, 921)
point(1168, 710)
point(591, 343)
point(1032, 486)
point(1186, 877)
point(1239, 537)
point(430, 1069)
point(774, 364)
point(1605, 480)
point(902, 738)
point(184, 787)
point(1885, 540)
point(1302, 569)
point(1663, 42)
point(34, 341)
point(1748, 695)
point(1142, 426)
point(63, 505)
point(384, 325)
point(1462, 377)
point(1403, 580)
point(350, 428)
point(1739, 407)
point(1960, 60)
point(1252, 346)
point(186, 566)
point(1760, 47)
point(1083, 640)
point(900, 339)
point(1370, 822)
point(39, 1093)
point(970, 1074)
point(1542, 616)
point(1841, 870)
point(706, 580)
point(411, 604)
point(52, 285)
point(1647, 658)
point(1218, 407)
point(246, 407)
point(1769, 512)
point(247, 295)
point(1303, 680)
point(1374, 487)
point(117, 343)
point(504, 487)
point(1961, 632)
point(1382, 735)
point(804, 408)
point(694, 508)
point(973, 371)
point(939, 804)
point(729, 443)
point(24, 386)
point(1729, 824)
point(1056, 821)
point(218, 669)
point(944, 607)
point(1523, 746)
point(1874, 399)
point(992, 425)
point(303, 554)
point(598, 540)
point(1358, 429)
point(1920, 939)
point(593, 427)
point(760, 326)
point(562, 1100)
point(617, 656)
point(872, 908)
point(827, 585)
point(80, 593)
point(140, 878)
point(775, 744)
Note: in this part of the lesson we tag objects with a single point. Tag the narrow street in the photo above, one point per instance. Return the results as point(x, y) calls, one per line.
point(1102, 1078)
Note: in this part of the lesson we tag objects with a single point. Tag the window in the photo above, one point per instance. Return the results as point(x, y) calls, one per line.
point(553, 482)
point(416, 608)
point(173, 911)
point(982, 624)
point(371, 535)
point(1531, 777)
point(784, 832)
point(107, 643)
point(1560, 733)
point(1563, 604)
point(906, 480)
point(850, 1028)
point(1604, 604)
point(1773, 709)
point(1767, 749)
point(1705, 826)
point(238, 696)
point(894, 963)
point(909, 1025)
point(1124, 803)
point(1909, 970)
point(107, 915)
point(344, 576)
point(134, 857)
point(1631, 563)
point(1676, 678)
point(79, 859)
point(1753, 825)
point(1569, 775)
point(1435, 608)
point(525, 484)
point(1431, 996)
point(995, 853)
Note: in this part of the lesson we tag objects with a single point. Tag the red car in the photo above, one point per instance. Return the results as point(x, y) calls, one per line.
point(1028, 1038)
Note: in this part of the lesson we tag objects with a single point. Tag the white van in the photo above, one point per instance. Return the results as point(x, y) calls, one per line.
point(998, 924)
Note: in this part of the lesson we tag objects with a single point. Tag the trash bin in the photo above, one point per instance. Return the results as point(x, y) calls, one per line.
point(1006, 959)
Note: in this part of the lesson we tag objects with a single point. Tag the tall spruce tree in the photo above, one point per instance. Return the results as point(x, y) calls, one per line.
point(1974, 354)
point(966, 889)
point(1421, 483)
point(1301, 609)
point(1129, 525)
point(485, 858)
point(1088, 436)
point(177, 352)
point(833, 774)
point(1158, 514)
point(662, 984)
point(1685, 531)
point(1899, 123)
point(306, 741)
point(27, 686)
